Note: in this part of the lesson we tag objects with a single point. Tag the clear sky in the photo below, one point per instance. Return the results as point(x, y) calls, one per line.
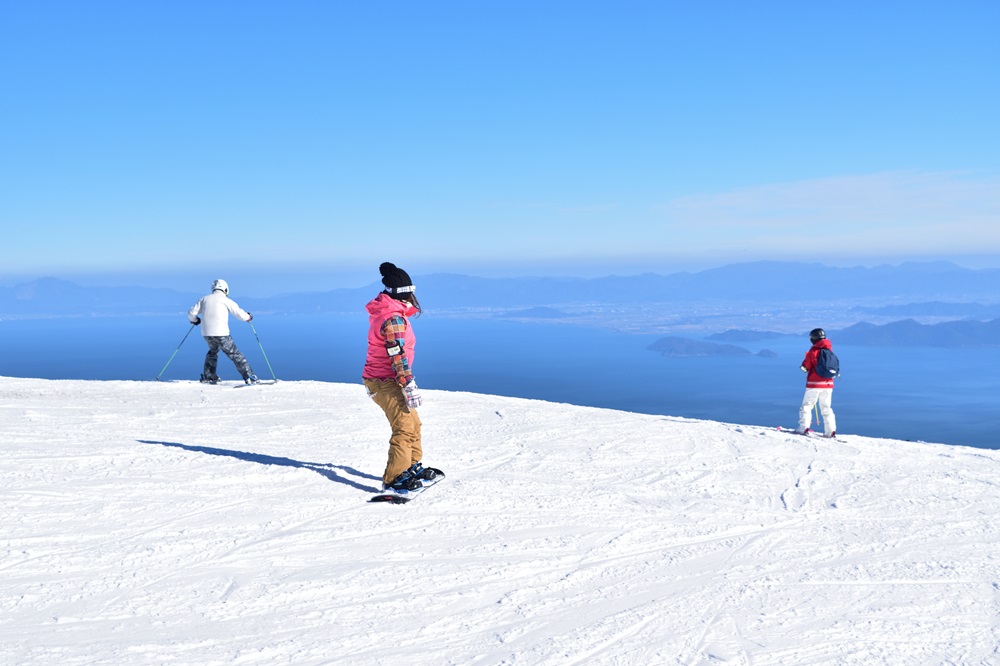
point(541, 137)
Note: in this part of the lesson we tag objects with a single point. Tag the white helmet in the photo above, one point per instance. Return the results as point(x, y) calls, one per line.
point(221, 285)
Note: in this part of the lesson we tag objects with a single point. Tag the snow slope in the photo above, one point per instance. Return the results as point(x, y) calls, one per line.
point(176, 523)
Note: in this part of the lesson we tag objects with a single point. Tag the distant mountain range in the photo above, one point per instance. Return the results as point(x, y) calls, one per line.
point(50, 297)
point(908, 332)
point(755, 281)
point(965, 333)
point(929, 287)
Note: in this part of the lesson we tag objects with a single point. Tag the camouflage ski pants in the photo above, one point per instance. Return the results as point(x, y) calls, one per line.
point(226, 344)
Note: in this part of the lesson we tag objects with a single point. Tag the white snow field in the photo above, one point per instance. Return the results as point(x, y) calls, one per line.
point(177, 523)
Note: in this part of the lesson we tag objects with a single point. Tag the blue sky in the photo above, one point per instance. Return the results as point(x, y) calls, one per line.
point(313, 140)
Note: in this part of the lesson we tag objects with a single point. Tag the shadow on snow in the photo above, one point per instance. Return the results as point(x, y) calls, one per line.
point(327, 470)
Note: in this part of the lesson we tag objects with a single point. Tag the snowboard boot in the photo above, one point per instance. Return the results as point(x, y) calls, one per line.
point(404, 482)
point(424, 473)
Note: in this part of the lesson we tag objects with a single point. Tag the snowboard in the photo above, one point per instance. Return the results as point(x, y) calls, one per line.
point(404, 496)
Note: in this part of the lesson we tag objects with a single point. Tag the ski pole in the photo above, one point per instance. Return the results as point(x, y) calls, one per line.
point(262, 351)
point(175, 351)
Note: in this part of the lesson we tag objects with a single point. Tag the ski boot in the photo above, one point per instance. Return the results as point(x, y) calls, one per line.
point(251, 379)
point(209, 379)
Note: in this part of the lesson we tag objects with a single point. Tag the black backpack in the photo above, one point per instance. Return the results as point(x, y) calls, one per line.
point(827, 364)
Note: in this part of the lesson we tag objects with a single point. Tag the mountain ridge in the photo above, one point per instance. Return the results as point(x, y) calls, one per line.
point(771, 281)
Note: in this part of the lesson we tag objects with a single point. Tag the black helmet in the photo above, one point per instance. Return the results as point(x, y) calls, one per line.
point(817, 334)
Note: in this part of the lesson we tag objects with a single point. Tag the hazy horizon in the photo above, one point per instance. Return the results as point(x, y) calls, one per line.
point(271, 280)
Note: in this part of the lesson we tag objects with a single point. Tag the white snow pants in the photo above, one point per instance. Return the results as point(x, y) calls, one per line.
point(824, 397)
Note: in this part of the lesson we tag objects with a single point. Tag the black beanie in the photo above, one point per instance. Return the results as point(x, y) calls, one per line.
point(396, 280)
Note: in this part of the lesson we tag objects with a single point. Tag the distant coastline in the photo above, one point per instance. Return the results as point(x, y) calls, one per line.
point(944, 305)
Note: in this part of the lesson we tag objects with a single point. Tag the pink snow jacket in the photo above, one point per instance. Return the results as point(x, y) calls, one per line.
point(387, 323)
point(814, 381)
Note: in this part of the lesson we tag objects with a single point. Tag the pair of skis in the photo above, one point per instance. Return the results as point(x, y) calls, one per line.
point(808, 433)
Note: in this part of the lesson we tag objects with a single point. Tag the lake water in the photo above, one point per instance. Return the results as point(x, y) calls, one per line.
point(920, 394)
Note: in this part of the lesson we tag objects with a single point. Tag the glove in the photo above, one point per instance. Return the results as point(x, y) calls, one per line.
point(197, 320)
point(251, 317)
point(412, 394)
point(803, 368)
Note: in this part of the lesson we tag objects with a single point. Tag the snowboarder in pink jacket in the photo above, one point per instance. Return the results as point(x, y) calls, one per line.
point(388, 376)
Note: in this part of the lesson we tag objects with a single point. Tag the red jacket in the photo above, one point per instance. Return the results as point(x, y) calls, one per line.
point(814, 381)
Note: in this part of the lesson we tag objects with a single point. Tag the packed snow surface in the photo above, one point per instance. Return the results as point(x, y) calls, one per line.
point(179, 523)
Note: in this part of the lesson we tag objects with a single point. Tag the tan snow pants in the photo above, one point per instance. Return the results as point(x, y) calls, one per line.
point(404, 444)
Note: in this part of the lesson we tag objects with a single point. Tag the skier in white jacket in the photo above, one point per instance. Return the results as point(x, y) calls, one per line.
point(212, 312)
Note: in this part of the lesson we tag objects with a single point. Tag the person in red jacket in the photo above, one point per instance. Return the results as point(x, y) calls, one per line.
point(819, 389)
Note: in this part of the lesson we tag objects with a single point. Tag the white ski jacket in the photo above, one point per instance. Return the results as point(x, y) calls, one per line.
point(214, 311)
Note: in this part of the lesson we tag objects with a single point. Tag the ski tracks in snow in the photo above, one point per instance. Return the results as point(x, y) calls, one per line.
point(158, 523)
